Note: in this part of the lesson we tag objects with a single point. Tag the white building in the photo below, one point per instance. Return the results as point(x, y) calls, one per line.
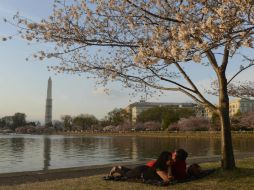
point(242, 105)
point(136, 108)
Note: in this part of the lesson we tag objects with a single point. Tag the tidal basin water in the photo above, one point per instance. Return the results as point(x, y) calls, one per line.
point(42, 152)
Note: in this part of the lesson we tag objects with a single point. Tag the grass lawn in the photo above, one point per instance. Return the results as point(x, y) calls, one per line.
point(240, 179)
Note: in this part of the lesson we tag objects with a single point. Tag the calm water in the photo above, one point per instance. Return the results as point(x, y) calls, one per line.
point(41, 152)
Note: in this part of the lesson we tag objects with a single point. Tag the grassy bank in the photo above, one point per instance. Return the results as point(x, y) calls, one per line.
point(188, 134)
point(240, 179)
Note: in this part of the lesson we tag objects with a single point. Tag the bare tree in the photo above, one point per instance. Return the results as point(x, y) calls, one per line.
point(145, 43)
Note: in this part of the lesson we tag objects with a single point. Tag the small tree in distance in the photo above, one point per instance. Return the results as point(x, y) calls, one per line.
point(67, 122)
point(117, 116)
point(85, 121)
point(145, 44)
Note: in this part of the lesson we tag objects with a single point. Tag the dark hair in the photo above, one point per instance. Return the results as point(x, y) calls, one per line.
point(161, 162)
point(181, 154)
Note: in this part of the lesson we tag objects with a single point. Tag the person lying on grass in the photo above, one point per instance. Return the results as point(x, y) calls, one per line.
point(177, 165)
point(158, 171)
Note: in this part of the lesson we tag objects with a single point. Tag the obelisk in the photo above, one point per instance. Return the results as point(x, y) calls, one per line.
point(48, 113)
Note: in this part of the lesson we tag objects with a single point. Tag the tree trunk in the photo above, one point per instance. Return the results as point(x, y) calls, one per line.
point(227, 155)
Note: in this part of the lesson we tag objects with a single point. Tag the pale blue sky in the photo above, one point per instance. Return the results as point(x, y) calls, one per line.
point(23, 83)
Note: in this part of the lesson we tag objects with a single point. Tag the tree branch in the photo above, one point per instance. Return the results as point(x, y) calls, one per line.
point(152, 14)
point(196, 91)
point(168, 80)
point(241, 70)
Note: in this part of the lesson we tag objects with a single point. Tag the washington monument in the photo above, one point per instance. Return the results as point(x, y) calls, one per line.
point(48, 113)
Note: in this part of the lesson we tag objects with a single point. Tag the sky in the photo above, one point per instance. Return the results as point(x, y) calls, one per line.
point(23, 84)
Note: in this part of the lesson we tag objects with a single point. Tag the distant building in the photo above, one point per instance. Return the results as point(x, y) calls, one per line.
point(136, 108)
point(242, 105)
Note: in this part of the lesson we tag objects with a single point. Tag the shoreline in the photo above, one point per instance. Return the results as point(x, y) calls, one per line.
point(175, 134)
point(161, 134)
point(17, 178)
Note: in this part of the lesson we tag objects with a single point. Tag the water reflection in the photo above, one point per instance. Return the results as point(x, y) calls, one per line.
point(17, 147)
point(38, 152)
point(46, 152)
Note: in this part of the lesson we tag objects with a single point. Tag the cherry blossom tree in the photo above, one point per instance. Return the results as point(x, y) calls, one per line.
point(144, 44)
point(243, 121)
point(191, 124)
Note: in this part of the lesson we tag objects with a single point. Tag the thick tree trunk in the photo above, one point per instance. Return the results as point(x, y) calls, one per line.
point(227, 155)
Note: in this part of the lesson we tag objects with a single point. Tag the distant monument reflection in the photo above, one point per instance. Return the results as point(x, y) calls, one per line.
point(46, 152)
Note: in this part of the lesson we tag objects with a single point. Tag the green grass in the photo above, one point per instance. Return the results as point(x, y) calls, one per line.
point(241, 178)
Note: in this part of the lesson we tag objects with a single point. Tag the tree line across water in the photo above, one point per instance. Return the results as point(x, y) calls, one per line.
point(154, 119)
